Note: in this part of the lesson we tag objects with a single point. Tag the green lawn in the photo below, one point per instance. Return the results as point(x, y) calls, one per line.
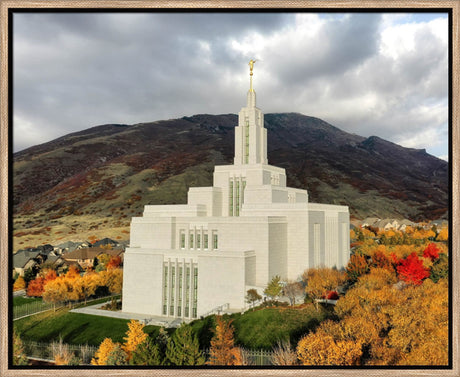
point(20, 300)
point(74, 328)
point(255, 330)
point(264, 328)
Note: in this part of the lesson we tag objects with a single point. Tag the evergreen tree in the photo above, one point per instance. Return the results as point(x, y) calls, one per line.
point(183, 349)
point(117, 356)
point(147, 353)
point(162, 341)
point(274, 287)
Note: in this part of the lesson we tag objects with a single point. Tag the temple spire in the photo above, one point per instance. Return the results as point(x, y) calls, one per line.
point(251, 67)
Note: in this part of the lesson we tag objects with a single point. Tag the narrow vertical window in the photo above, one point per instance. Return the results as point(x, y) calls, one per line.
point(191, 240)
point(187, 292)
point(205, 240)
point(179, 293)
point(215, 243)
point(242, 191)
point(182, 239)
point(173, 286)
point(237, 204)
point(165, 291)
point(198, 241)
point(195, 291)
point(230, 199)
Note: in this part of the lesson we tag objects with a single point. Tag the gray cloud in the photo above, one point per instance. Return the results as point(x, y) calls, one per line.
point(73, 71)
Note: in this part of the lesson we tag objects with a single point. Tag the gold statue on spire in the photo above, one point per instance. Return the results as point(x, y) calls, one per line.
point(251, 66)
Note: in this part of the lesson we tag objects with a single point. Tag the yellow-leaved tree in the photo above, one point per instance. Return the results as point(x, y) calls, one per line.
point(104, 350)
point(134, 336)
point(19, 284)
point(323, 348)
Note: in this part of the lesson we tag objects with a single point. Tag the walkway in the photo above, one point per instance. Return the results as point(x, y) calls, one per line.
point(143, 318)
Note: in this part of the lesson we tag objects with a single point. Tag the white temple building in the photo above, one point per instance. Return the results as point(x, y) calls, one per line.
point(184, 261)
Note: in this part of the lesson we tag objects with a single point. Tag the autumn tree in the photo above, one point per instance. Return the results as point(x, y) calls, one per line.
point(183, 349)
point(274, 287)
point(36, 287)
point(85, 286)
point(19, 284)
point(381, 324)
point(321, 348)
point(443, 235)
point(381, 260)
point(357, 266)
point(411, 270)
point(292, 290)
point(112, 279)
point(49, 276)
point(19, 356)
point(114, 262)
point(73, 272)
point(100, 357)
point(103, 260)
point(431, 251)
point(319, 281)
point(252, 296)
point(134, 336)
point(223, 350)
point(55, 291)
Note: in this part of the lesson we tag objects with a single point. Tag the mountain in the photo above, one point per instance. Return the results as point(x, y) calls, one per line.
point(94, 181)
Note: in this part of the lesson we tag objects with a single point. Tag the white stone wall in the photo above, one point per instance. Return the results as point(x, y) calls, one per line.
point(211, 197)
point(142, 279)
point(221, 280)
point(159, 232)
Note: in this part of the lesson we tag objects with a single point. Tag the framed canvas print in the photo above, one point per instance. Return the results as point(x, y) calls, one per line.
point(218, 188)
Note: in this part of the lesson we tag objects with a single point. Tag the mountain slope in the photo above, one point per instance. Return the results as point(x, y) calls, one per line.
point(97, 179)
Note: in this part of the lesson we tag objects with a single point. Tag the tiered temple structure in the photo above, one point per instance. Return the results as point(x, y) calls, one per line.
point(186, 260)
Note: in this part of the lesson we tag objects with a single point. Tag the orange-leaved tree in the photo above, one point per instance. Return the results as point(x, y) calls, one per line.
point(114, 262)
point(357, 266)
point(36, 287)
point(223, 350)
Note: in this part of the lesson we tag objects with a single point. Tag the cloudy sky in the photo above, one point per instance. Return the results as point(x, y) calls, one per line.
point(366, 73)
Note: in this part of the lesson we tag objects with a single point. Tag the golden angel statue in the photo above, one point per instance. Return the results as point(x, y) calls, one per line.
point(251, 66)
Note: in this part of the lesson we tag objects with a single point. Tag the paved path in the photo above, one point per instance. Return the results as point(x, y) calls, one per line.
point(143, 318)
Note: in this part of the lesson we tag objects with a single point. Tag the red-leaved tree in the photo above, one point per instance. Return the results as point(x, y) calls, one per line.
point(431, 251)
point(411, 270)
